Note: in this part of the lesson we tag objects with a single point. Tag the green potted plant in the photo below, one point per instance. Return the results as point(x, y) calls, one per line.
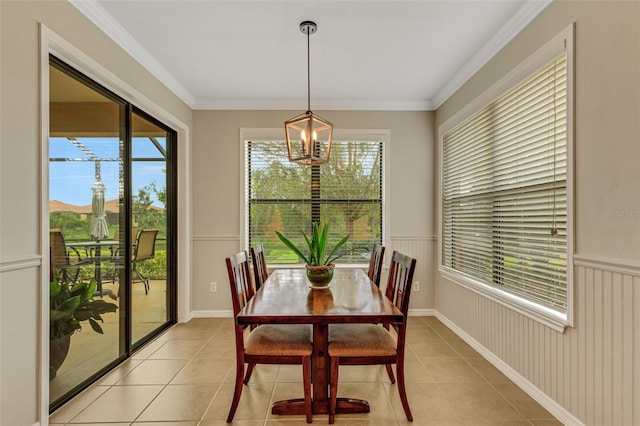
point(319, 259)
point(70, 304)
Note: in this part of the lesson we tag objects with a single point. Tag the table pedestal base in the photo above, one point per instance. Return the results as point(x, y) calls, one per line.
point(343, 406)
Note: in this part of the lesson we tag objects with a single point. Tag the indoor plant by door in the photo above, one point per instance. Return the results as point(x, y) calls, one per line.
point(319, 261)
point(70, 304)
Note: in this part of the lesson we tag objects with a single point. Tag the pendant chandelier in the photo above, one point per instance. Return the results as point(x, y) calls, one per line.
point(308, 135)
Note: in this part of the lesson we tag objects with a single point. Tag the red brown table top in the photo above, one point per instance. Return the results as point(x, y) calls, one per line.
point(286, 298)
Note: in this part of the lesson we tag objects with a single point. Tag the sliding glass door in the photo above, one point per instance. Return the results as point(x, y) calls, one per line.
point(150, 176)
point(111, 188)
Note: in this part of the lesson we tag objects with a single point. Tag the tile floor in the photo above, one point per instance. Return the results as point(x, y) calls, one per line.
point(185, 377)
point(90, 351)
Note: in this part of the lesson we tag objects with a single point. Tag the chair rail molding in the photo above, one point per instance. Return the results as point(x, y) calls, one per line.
point(215, 238)
point(413, 238)
point(21, 262)
point(621, 266)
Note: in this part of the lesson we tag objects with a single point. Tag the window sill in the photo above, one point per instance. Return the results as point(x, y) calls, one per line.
point(552, 319)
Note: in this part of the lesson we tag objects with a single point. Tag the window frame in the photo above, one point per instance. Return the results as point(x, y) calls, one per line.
point(377, 135)
point(562, 42)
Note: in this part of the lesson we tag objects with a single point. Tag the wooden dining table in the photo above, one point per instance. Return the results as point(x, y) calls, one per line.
point(286, 298)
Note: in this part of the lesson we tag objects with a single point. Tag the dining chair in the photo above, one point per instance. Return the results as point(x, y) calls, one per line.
point(267, 343)
point(64, 258)
point(144, 249)
point(371, 344)
point(260, 273)
point(375, 263)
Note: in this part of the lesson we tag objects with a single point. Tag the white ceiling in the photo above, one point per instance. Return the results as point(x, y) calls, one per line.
point(367, 54)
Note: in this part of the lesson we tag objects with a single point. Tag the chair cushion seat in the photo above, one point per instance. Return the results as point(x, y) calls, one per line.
point(279, 340)
point(352, 340)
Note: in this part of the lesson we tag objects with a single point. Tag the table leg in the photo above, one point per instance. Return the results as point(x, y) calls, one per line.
point(98, 270)
point(320, 381)
point(320, 364)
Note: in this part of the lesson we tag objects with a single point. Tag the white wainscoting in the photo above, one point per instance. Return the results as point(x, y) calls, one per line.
point(208, 265)
point(590, 374)
point(422, 248)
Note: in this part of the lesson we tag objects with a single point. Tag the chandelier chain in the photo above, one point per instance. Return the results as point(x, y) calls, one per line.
point(308, 73)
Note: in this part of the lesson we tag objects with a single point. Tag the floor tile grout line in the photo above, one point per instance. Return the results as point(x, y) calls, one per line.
point(206, 410)
point(379, 380)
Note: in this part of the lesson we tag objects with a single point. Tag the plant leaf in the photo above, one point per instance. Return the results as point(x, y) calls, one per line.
point(78, 286)
point(65, 309)
point(54, 289)
point(292, 246)
point(335, 249)
point(96, 327)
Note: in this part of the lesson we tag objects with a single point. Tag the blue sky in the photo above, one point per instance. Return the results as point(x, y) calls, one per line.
point(71, 181)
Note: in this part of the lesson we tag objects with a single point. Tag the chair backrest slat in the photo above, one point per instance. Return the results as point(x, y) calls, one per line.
point(400, 280)
point(375, 263)
point(239, 280)
point(260, 273)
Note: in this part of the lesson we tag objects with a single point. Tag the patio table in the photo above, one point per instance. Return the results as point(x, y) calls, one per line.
point(93, 249)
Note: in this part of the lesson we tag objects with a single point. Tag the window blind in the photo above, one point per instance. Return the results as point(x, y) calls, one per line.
point(284, 196)
point(504, 194)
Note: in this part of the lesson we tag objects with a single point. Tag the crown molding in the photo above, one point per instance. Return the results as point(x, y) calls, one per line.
point(103, 20)
point(526, 14)
point(318, 105)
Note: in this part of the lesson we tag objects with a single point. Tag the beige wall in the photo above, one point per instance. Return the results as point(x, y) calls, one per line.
point(217, 192)
point(591, 372)
point(20, 181)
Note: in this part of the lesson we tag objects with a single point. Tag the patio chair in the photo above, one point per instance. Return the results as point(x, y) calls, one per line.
point(113, 253)
point(144, 249)
point(267, 343)
point(371, 344)
point(67, 260)
point(260, 273)
point(375, 263)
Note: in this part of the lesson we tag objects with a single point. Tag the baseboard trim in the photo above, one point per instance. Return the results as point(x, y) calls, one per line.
point(212, 314)
point(543, 399)
point(422, 312)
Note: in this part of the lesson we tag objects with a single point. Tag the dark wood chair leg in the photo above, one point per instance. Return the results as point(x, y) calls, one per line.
point(306, 380)
point(402, 390)
point(390, 373)
point(237, 391)
point(333, 389)
point(247, 375)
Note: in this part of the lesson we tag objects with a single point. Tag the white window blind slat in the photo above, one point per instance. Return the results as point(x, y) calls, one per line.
point(504, 190)
point(287, 197)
